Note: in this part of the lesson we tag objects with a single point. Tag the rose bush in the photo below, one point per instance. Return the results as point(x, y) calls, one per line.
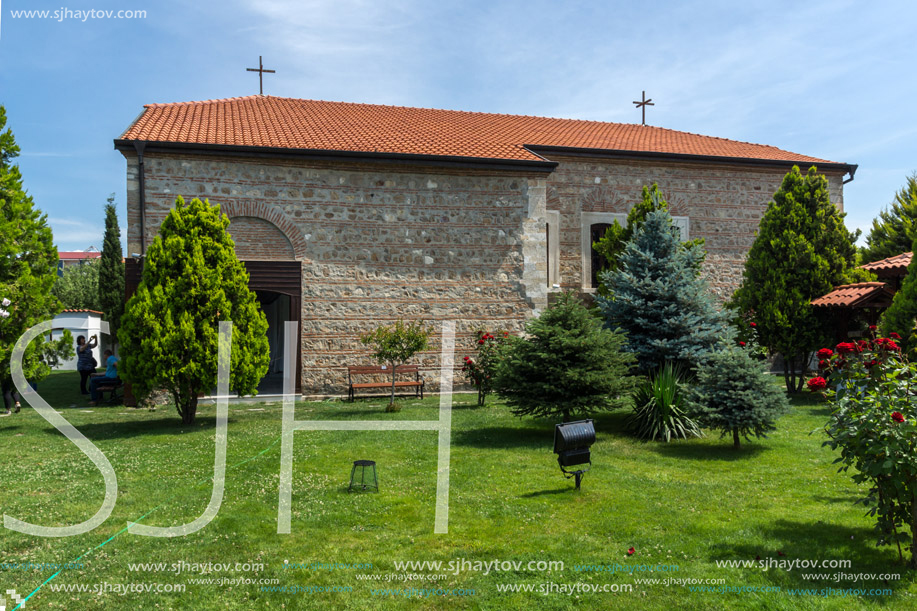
point(479, 371)
point(874, 425)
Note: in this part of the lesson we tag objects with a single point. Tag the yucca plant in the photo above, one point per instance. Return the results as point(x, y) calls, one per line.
point(659, 412)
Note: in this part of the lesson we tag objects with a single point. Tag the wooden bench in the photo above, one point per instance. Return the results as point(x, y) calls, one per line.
point(360, 370)
point(111, 388)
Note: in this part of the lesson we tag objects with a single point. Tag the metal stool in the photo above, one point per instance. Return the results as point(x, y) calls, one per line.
point(363, 465)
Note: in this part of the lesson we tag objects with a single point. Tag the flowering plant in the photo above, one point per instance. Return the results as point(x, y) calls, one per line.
point(5, 303)
point(479, 370)
point(747, 335)
point(874, 425)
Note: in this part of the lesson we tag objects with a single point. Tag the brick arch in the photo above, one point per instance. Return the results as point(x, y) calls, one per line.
point(552, 201)
point(603, 199)
point(678, 206)
point(273, 215)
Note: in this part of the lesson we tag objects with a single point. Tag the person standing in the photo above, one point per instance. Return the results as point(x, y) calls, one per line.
point(10, 398)
point(85, 362)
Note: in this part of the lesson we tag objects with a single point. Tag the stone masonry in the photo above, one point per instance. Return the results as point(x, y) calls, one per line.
point(382, 242)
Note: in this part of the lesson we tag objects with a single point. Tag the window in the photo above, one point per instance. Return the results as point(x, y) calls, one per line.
point(594, 225)
point(552, 231)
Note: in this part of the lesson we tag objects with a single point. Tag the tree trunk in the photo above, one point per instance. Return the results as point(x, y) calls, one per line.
point(786, 375)
point(566, 415)
point(392, 400)
point(735, 439)
point(480, 397)
point(190, 412)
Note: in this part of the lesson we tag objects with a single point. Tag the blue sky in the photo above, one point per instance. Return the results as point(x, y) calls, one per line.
point(828, 79)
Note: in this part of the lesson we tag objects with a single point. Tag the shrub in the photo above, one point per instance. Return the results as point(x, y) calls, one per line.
point(568, 364)
point(659, 407)
point(480, 370)
point(874, 424)
point(394, 345)
point(734, 394)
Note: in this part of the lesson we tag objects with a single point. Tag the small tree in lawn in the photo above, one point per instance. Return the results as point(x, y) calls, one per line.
point(734, 393)
point(567, 365)
point(78, 286)
point(111, 271)
point(658, 299)
point(396, 344)
point(169, 332)
point(801, 252)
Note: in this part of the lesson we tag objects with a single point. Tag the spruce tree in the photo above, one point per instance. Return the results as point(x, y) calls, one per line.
point(657, 298)
point(616, 237)
point(191, 281)
point(802, 251)
point(900, 317)
point(111, 271)
point(28, 269)
point(566, 365)
point(895, 229)
point(733, 393)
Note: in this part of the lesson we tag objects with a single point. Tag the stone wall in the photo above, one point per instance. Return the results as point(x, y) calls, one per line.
point(376, 244)
point(724, 204)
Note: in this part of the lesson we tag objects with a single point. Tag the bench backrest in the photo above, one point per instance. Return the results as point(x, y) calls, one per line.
point(377, 369)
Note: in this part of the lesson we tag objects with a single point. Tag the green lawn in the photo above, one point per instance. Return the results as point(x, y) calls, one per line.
point(688, 504)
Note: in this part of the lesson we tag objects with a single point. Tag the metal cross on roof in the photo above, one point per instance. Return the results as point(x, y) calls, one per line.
point(260, 70)
point(642, 105)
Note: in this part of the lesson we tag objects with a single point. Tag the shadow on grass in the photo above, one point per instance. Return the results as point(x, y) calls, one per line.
point(126, 428)
point(705, 451)
point(505, 437)
point(816, 541)
point(531, 495)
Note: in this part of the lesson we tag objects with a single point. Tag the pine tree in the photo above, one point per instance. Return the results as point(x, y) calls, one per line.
point(28, 264)
point(802, 251)
point(191, 281)
point(734, 393)
point(658, 299)
point(895, 229)
point(567, 364)
point(901, 316)
point(616, 237)
point(111, 271)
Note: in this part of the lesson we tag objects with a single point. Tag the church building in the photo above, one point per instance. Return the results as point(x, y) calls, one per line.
point(349, 216)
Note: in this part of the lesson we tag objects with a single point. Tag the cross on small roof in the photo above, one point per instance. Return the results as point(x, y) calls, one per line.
point(642, 105)
point(260, 70)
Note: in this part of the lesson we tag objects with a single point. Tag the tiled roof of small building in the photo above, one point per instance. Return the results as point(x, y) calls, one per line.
point(288, 123)
point(78, 255)
point(892, 266)
point(861, 294)
point(82, 311)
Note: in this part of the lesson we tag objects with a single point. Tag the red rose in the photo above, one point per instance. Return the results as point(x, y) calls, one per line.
point(897, 417)
point(631, 552)
point(822, 364)
point(845, 348)
point(506, 334)
point(467, 358)
point(741, 343)
point(825, 353)
point(894, 335)
point(752, 324)
point(872, 327)
point(862, 345)
point(817, 383)
point(480, 341)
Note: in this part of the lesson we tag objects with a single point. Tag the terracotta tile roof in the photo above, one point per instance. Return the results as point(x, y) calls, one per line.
point(82, 311)
point(890, 267)
point(861, 295)
point(288, 123)
point(77, 255)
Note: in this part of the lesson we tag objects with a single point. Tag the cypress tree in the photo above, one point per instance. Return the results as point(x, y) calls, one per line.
point(658, 299)
point(895, 229)
point(802, 251)
point(111, 271)
point(191, 281)
point(902, 314)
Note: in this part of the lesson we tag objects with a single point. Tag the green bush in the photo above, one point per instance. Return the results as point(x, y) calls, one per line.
point(568, 364)
point(480, 370)
point(659, 407)
point(735, 394)
point(394, 345)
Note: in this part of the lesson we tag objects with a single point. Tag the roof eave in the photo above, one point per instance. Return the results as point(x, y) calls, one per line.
point(846, 168)
point(451, 161)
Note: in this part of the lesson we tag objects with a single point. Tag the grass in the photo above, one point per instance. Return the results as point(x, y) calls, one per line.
point(688, 503)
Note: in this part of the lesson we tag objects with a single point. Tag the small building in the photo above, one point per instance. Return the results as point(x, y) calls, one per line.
point(90, 324)
point(861, 304)
point(75, 257)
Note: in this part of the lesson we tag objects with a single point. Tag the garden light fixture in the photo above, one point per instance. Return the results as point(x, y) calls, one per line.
point(571, 444)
